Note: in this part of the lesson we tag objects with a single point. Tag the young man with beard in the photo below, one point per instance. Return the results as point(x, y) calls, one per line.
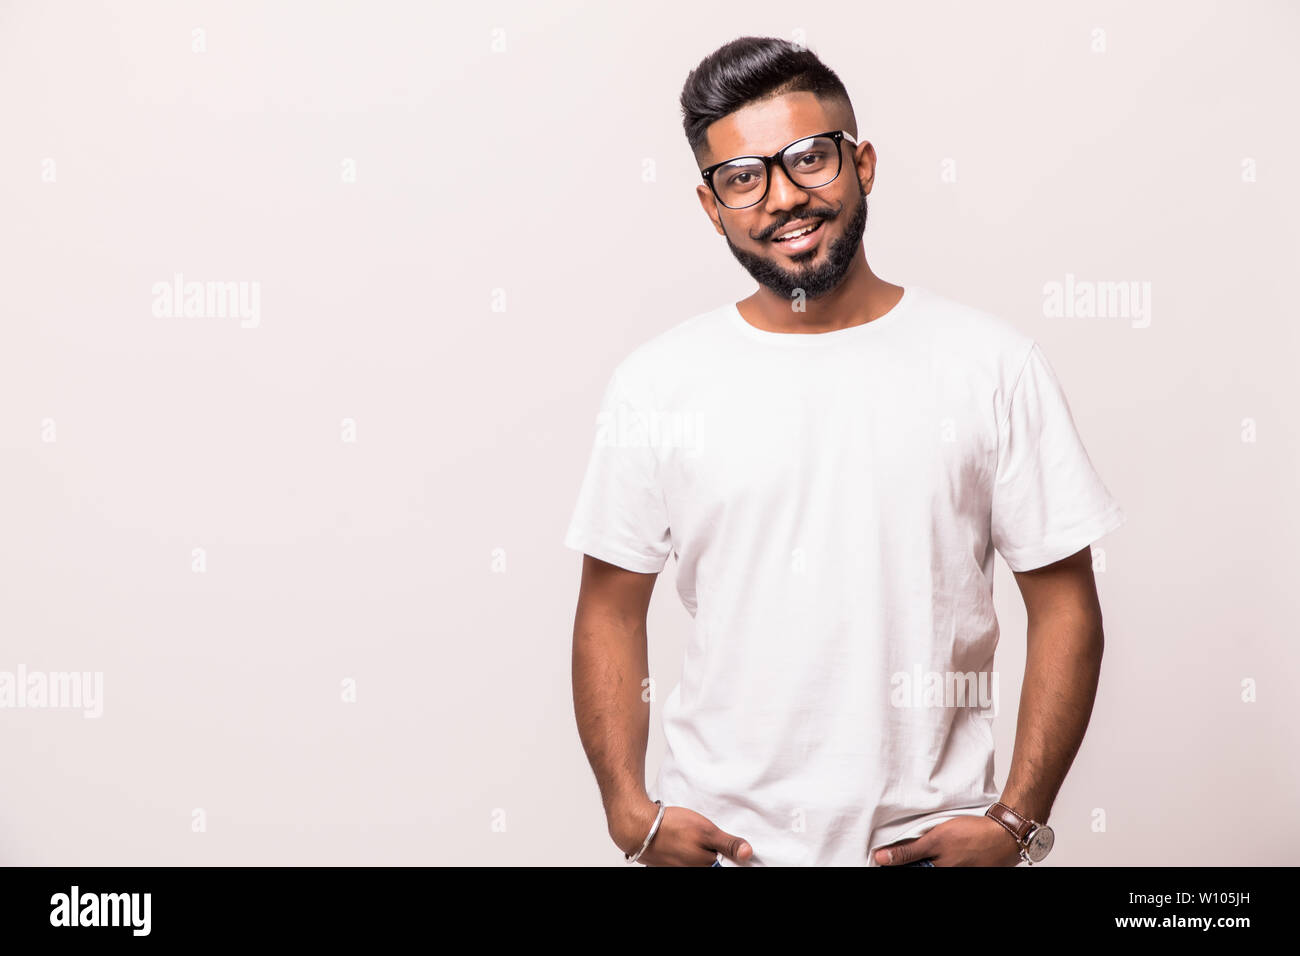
point(832, 462)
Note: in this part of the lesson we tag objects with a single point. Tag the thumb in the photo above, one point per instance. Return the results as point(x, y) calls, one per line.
point(896, 854)
point(732, 847)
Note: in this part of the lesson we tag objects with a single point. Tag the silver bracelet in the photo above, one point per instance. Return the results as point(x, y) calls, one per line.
point(653, 830)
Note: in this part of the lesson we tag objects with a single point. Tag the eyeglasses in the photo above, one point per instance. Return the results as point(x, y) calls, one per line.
point(810, 162)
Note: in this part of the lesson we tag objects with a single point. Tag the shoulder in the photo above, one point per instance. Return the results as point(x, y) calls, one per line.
point(977, 346)
point(979, 334)
point(688, 345)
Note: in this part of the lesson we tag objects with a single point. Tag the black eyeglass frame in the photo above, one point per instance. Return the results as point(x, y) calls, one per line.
point(838, 135)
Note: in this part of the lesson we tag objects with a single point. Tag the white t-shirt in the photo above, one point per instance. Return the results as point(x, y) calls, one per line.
point(833, 501)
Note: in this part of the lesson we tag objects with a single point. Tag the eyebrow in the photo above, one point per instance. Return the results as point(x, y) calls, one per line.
point(847, 135)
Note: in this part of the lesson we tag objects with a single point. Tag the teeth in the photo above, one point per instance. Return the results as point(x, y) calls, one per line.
point(792, 235)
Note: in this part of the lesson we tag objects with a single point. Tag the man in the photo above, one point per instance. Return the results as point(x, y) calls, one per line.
point(832, 462)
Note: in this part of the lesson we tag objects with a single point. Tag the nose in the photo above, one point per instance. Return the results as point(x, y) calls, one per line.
point(782, 191)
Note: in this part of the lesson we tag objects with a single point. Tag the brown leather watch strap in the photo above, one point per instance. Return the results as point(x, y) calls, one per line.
point(1017, 825)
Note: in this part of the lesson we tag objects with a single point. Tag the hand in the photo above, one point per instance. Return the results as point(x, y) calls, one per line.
point(966, 840)
point(684, 837)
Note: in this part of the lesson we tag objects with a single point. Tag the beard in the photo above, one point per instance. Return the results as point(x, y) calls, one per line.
point(812, 281)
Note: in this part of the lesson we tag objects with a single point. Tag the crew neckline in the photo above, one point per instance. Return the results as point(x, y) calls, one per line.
point(806, 339)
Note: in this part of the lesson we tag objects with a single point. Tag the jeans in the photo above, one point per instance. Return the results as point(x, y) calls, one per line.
point(916, 863)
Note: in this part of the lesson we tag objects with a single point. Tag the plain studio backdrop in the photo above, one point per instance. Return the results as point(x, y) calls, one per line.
point(312, 544)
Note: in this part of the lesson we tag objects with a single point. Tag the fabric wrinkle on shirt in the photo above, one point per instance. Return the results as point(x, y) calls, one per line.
point(834, 501)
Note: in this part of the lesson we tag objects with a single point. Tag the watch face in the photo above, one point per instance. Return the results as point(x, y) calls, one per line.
point(1040, 843)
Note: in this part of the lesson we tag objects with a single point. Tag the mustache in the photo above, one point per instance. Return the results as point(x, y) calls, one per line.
point(821, 214)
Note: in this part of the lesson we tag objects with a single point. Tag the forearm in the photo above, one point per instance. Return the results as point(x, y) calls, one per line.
point(609, 665)
point(1062, 667)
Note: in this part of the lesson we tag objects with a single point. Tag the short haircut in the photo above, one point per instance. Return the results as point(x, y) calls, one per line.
point(750, 70)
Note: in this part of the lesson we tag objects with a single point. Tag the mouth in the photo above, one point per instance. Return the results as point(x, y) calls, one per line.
point(804, 236)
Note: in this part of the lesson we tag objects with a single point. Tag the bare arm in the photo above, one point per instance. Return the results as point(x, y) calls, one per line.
point(1062, 667)
point(1062, 664)
point(609, 663)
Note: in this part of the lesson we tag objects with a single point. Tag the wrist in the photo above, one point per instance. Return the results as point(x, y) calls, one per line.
point(1026, 804)
point(630, 819)
point(1033, 838)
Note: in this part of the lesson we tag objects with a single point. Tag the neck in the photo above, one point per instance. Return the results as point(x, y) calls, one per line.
point(860, 298)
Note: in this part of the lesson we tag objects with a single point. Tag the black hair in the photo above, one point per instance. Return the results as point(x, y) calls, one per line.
point(749, 70)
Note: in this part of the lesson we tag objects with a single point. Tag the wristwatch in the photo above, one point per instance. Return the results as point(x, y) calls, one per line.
point(1035, 838)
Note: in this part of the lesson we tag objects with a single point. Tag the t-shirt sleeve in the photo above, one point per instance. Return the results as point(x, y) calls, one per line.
point(620, 516)
point(1048, 500)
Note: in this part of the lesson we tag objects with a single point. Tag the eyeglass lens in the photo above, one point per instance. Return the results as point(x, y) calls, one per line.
point(809, 163)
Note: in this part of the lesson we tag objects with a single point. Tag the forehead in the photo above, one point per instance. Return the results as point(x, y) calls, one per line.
point(760, 129)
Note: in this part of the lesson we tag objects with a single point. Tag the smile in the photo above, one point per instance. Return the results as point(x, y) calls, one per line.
point(801, 239)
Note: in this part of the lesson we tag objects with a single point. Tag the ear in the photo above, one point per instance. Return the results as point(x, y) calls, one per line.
point(865, 161)
point(709, 203)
